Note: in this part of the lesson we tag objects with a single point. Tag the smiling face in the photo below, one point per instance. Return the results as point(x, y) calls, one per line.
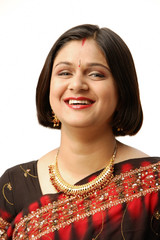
point(82, 89)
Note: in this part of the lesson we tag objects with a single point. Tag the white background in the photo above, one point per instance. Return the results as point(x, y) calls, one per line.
point(28, 29)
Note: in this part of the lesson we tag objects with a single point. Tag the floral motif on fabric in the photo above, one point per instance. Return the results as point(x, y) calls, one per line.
point(27, 172)
point(7, 186)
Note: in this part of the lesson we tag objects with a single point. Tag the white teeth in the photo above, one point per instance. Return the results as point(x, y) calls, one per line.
point(72, 102)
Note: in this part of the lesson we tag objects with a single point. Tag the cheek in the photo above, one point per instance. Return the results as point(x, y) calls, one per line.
point(110, 94)
point(56, 92)
point(52, 94)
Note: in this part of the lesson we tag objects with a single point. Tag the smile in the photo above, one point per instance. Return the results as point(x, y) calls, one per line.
point(79, 103)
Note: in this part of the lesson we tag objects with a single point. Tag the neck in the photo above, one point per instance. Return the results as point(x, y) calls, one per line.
point(84, 152)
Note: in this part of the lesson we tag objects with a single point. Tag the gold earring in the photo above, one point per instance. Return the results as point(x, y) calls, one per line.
point(56, 121)
point(119, 129)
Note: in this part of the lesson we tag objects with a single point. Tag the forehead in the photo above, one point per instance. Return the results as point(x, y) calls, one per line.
point(85, 49)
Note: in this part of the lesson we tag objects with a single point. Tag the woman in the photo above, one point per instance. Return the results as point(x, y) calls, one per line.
point(93, 186)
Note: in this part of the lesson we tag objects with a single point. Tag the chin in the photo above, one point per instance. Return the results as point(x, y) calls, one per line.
point(78, 124)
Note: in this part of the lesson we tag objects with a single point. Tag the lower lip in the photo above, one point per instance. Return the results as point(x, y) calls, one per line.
point(79, 106)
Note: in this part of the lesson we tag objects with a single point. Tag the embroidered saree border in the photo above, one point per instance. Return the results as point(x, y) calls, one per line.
point(3, 229)
point(123, 188)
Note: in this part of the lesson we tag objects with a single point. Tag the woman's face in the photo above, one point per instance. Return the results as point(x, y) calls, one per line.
point(82, 90)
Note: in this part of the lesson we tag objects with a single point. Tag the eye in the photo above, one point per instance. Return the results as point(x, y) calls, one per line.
point(96, 75)
point(64, 73)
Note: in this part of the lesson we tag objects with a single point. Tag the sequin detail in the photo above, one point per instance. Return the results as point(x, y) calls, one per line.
point(3, 229)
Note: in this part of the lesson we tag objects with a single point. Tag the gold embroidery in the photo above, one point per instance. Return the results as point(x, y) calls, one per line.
point(123, 221)
point(8, 185)
point(27, 172)
point(122, 189)
point(101, 228)
point(3, 228)
point(156, 216)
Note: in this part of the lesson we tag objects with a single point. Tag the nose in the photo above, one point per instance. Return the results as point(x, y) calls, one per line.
point(78, 83)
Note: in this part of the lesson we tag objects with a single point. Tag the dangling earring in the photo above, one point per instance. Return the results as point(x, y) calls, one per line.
point(119, 129)
point(56, 121)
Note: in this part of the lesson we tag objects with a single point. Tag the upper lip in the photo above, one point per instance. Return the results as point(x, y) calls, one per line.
point(78, 98)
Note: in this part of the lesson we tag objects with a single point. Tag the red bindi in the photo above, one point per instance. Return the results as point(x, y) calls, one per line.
point(79, 64)
point(83, 41)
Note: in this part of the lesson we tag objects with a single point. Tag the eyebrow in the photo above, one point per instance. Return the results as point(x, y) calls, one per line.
point(88, 65)
point(65, 63)
point(99, 65)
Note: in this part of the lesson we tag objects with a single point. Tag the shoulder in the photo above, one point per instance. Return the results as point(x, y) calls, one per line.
point(129, 158)
point(19, 169)
point(14, 178)
point(19, 185)
point(125, 152)
point(48, 158)
point(9, 188)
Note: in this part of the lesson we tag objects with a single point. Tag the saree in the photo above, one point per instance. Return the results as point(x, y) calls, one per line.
point(128, 208)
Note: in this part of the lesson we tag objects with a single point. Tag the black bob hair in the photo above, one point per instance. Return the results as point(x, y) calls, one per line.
point(128, 118)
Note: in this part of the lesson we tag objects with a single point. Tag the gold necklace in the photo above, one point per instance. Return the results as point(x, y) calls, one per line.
point(98, 183)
